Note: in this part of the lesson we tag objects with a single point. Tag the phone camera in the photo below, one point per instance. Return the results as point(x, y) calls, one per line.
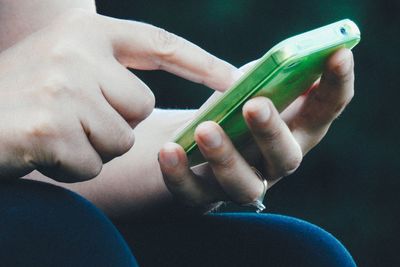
point(343, 31)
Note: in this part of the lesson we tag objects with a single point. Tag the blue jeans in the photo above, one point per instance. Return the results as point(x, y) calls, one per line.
point(45, 225)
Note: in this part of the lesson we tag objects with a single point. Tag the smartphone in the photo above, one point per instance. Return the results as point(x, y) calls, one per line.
point(282, 74)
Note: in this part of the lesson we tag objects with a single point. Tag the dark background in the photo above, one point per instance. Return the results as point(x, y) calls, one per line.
point(349, 184)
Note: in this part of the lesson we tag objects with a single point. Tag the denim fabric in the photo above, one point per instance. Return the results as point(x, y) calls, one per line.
point(246, 239)
point(44, 225)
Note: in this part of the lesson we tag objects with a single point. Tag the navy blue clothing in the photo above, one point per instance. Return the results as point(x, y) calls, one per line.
point(244, 239)
point(44, 225)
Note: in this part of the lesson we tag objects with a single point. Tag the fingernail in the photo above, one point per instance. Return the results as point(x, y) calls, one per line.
point(211, 138)
point(260, 114)
point(263, 114)
point(169, 157)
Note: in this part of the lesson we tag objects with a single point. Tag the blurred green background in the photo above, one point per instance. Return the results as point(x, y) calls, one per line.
point(349, 184)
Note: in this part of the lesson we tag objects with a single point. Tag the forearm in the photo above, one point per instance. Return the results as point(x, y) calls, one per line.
point(19, 18)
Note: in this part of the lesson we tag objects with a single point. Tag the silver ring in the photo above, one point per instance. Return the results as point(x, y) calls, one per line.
point(255, 206)
point(264, 181)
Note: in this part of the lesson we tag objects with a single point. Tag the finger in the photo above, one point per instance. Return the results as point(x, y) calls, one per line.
point(324, 103)
point(109, 134)
point(70, 160)
point(279, 148)
point(181, 181)
point(143, 46)
point(231, 171)
point(126, 93)
point(248, 66)
point(216, 95)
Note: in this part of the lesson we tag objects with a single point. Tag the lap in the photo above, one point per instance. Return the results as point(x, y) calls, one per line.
point(46, 225)
point(50, 226)
point(235, 240)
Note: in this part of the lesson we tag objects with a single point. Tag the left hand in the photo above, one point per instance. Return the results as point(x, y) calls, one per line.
point(280, 142)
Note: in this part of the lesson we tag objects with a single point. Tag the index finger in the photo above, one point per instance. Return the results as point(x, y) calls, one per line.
point(143, 46)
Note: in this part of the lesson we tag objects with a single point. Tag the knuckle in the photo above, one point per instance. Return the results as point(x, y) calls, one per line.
point(283, 166)
point(211, 67)
point(42, 126)
point(292, 165)
point(175, 180)
point(224, 163)
point(288, 168)
point(144, 110)
point(338, 78)
point(165, 43)
point(93, 170)
point(269, 133)
point(63, 52)
point(338, 107)
point(148, 105)
point(85, 173)
point(55, 86)
point(125, 142)
point(84, 168)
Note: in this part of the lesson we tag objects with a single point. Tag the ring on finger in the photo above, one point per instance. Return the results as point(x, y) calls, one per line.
point(255, 206)
point(264, 181)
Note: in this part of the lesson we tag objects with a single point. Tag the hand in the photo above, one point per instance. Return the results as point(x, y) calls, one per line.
point(67, 102)
point(280, 142)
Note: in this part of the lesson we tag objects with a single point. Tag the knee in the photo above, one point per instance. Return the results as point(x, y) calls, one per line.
point(311, 245)
point(277, 240)
point(50, 225)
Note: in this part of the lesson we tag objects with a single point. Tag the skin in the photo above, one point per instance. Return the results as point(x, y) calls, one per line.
point(280, 141)
point(43, 141)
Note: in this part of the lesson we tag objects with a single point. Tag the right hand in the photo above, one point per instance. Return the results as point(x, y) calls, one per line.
point(67, 102)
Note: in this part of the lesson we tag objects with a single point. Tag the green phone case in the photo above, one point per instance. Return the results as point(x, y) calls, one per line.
point(282, 74)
